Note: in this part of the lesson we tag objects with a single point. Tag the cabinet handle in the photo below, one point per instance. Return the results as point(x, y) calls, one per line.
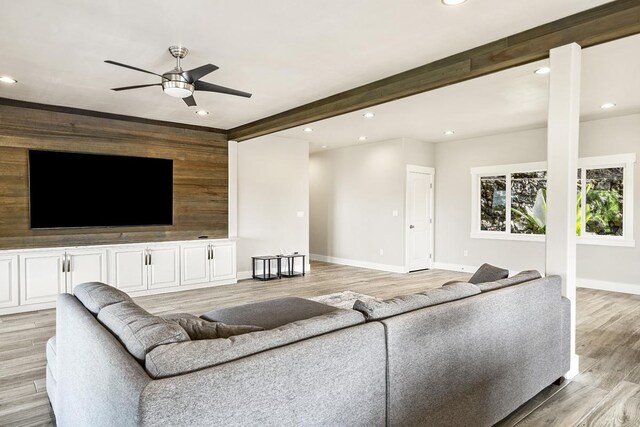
point(149, 257)
point(64, 263)
point(68, 263)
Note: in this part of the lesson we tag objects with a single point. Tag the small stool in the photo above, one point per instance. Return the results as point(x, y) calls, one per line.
point(266, 267)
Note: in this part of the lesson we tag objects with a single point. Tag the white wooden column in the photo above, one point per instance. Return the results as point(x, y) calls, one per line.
point(233, 189)
point(562, 157)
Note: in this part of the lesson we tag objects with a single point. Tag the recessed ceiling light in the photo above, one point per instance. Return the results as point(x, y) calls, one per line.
point(449, 132)
point(369, 115)
point(323, 146)
point(362, 138)
point(7, 79)
point(543, 70)
point(202, 112)
point(452, 2)
point(307, 130)
point(607, 105)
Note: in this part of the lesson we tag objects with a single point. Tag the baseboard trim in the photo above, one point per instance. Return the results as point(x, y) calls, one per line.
point(356, 263)
point(455, 267)
point(625, 288)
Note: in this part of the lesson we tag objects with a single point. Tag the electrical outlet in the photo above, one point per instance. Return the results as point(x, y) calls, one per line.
point(381, 251)
point(466, 253)
point(300, 214)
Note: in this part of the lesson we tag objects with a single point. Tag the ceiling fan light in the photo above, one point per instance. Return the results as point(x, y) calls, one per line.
point(177, 89)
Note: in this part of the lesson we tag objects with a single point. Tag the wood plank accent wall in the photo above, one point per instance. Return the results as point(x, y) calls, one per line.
point(602, 24)
point(200, 174)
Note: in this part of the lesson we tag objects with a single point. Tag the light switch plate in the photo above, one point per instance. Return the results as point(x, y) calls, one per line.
point(300, 214)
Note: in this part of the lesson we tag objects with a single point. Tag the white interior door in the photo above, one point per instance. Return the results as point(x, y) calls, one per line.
point(418, 232)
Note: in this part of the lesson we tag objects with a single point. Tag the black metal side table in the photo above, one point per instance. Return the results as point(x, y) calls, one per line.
point(290, 270)
point(266, 267)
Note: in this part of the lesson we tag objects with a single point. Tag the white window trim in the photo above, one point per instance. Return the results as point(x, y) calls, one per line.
point(627, 161)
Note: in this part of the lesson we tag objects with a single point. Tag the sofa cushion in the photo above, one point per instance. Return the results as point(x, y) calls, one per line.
point(138, 330)
point(200, 329)
point(488, 273)
point(523, 276)
point(374, 310)
point(182, 357)
point(95, 295)
point(269, 314)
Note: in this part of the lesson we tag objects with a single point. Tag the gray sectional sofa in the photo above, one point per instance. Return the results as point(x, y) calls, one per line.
point(463, 354)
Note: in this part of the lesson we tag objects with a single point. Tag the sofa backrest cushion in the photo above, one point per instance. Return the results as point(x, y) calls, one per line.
point(488, 273)
point(95, 296)
point(182, 357)
point(523, 276)
point(200, 329)
point(138, 330)
point(374, 310)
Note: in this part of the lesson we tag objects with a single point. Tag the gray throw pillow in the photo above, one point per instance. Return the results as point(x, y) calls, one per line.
point(95, 295)
point(200, 329)
point(138, 330)
point(488, 273)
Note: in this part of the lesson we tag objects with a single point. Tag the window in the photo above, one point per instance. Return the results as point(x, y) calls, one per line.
point(509, 202)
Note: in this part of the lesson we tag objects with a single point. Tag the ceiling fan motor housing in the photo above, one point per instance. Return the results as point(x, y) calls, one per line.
point(174, 84)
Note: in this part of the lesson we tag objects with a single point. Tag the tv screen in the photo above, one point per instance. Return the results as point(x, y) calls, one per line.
point(89, 190)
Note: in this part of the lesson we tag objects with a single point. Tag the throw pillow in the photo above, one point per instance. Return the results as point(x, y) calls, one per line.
point(200, 329)
point(488, 273)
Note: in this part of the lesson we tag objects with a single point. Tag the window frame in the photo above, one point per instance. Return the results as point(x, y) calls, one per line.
point(625, 161)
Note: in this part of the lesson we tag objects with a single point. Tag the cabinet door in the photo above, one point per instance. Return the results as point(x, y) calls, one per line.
point(195, 264)
point(127, 269)
point(164, 270)
point(224, 262)
point(41, 278)
point(86, 266)
point(8, 281)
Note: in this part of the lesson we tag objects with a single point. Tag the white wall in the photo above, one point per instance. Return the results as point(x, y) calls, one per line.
point(273, 187)
point(453, 200)
point(353, 193)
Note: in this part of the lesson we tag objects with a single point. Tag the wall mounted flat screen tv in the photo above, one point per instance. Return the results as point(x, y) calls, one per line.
point(71, 190)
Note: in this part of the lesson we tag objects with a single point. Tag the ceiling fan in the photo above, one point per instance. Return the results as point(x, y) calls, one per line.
point(181, 84)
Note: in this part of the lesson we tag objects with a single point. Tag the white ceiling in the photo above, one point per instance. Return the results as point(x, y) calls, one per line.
point(286, 52)
point(510, 100)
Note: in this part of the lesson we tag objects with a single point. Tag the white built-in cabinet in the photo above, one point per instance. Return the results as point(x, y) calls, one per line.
point(9, 281)
point(32, 279)
point(44, 275)
point(206, 262)
point(142, 268)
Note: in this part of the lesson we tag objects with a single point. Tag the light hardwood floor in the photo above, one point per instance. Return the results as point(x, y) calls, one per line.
point(607, 391)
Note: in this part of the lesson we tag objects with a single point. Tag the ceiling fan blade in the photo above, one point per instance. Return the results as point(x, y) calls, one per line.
point(210, 87)
point(108, 61)
point(134, 87)
point(198, 73)
point(190, 101)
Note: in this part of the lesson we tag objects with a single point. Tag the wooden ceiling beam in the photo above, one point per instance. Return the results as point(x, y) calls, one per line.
point(602, 24)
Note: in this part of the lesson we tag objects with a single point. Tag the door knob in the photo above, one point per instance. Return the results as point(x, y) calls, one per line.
point(411, 226)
